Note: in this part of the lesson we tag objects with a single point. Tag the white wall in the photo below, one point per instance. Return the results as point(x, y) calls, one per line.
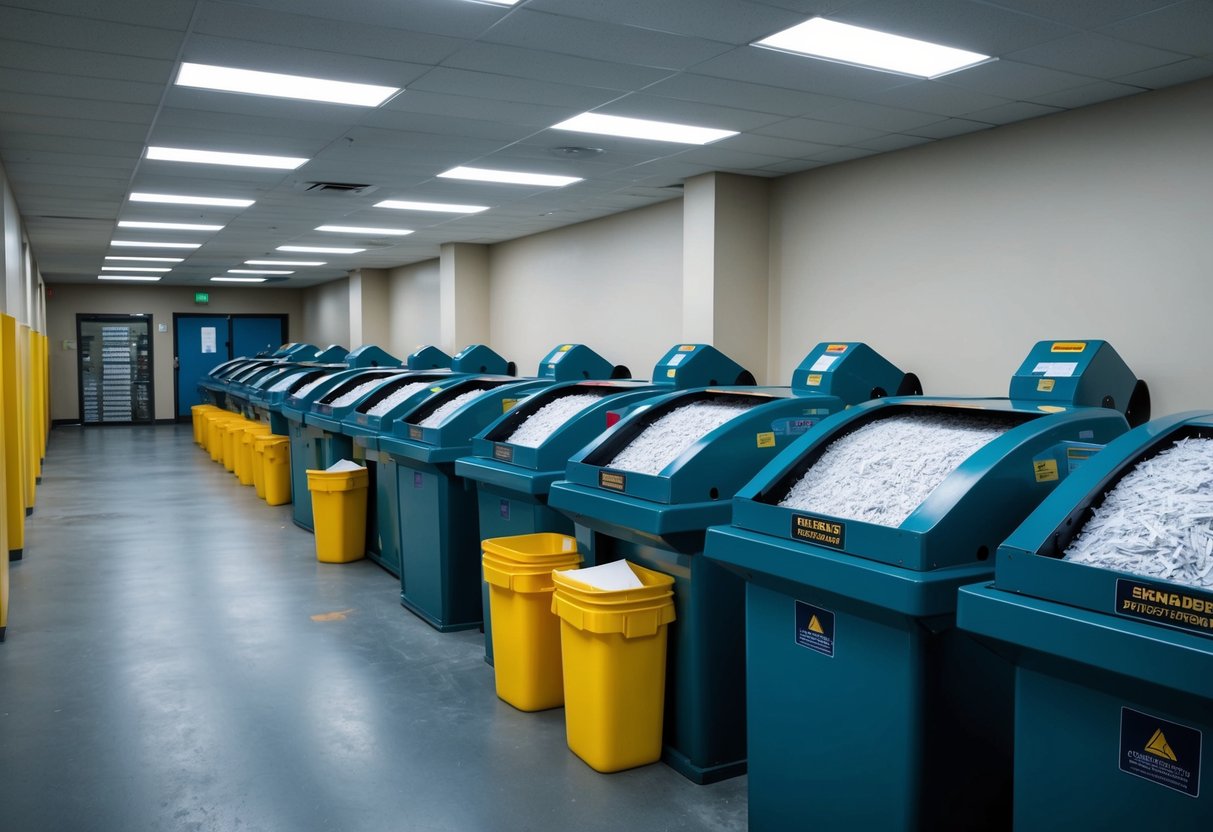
point(69, 299)
point(414, 307)
point(614, 284)
point(953, 258)
point(326, 315)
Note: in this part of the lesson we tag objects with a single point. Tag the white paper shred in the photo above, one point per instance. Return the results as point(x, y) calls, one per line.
point(344, 466)
point(396, 397)
point(541, 424)
point(284, 383)
point(310, 386)
point(350, 396)
point(669, 436)
point(1158, 520)
point(608, 577)
point(883, 471)
point(447, 408)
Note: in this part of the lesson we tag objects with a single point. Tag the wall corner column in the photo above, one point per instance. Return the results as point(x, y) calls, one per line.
point(463, 295)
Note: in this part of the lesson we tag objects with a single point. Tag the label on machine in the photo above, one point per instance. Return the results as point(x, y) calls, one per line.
point(1160, 751)
point(414, 433)
point(503, 453)
point(612, 480)
point(1171, 606)
point(815, 628)
point(819, 530)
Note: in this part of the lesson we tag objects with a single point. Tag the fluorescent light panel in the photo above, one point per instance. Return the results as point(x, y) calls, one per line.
point(435, 207)
point(238, 279)
point(135, 269)
point(278, 85)
point(148, 259)
point(218, 157)
point(181, 199)
point(642, 128)
point(843, 43)
point(139, 277)
point(141, 244)
point(285, 263)
point(509, 177)
point(354, 229)
point(321, 250)
point(256, 271)
point(169, 226)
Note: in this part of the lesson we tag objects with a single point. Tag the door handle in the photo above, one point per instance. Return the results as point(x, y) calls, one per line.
point(176, 363)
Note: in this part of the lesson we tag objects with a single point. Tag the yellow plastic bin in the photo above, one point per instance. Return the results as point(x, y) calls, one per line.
point(230, 433)
point(258, 460)
point(244, 453)
point(339, 514)
point(214, 442)
point(196, 414)
point(276, 468)
point(613, 650)
point(526, 634)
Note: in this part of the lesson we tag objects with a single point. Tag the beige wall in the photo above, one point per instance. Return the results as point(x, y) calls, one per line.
point(414, 307)
point(20, 284)
point(614, 284)
point(70, 299)
point(326, 314)
point(955, 257)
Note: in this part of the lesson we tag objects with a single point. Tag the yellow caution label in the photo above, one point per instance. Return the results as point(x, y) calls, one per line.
point(1045, 470)
point(815, 626)
point(1045, 385)
point(1069, 346)
point(766, 440)
point(836, 348)
point(566, 348)
point(435, 389)
point(671, 373)
point(1050, 408)
point(508, 404)
point(813, 380)
point(1158, 747)
point(687, 348)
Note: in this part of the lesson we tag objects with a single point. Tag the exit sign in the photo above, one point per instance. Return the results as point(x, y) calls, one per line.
point(202, 297)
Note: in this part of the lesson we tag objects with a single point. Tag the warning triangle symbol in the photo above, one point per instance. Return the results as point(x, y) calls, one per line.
point(815, 627)
point(1158, 746)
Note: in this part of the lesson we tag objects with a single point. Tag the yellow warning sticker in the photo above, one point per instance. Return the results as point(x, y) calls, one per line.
point(435, 389)
point(815, 626)
point(1045, 470)
point(671, 373)
point(1045, 385)
point(687, 348)
point(566, 348)
point(766, 440)
point(1050, 408)
point(814, 379)
point(1069, 346)
point(836, 348)
point(1158, 746)
point(508, 404)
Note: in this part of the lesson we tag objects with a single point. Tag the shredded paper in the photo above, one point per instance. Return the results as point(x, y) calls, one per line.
point(1158, 520)
point(883, 471)
point(669, 436)
point(447, 408)
point(310, 386)
point(284, 384)
point(541, 424)
point(350, 396)
point(396, 397)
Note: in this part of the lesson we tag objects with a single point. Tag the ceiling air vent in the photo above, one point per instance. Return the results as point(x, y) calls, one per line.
point(336, 188)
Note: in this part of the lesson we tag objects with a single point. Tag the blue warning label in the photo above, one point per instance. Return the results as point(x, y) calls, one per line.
point(504, 509)
point(1160, 751)
point(815, 628)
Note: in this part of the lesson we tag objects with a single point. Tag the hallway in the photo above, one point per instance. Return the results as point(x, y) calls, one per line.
point(178, 660)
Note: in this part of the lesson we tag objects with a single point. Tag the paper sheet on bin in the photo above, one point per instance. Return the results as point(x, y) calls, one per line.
point(344, 466)
point(607, 577)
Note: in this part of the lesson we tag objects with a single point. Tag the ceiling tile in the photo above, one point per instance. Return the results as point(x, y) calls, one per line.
point(601, 41)
point(876, 116)
point(92, 64)
point(14, 142)
point(823, 132)
point(505, 88)
point(726, 159)
point(79, 127)
point(437, 17)
point(639, 105)
point(550, 66)
point(774, 146)
point(843, 154)
point(444, 125)
point(1015, 111)
point(164, 14)
point(959, 23)
point(785, 168)
point(893, 141)
point(1165, 76)
point(950, 127)
point(76, 86)
point(508, 112)
point(935, 97)
point(720, 20)
point(1182, 27)
point(75, 107)
point(256, 125)
point(1082, 14)
point(705, 89)
point(1087, 94)
point(762, 66)
point(1087, 53)
point(1013, 80)
point(95, 35)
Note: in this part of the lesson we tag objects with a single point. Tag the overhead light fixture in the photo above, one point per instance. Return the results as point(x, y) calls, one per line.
point(238, 279)
point(278, 85)
point(169, 226)
point(642, 128)
point(147, 259)
point(500, 2)
point(180, 199)
point(847, 44)
point(435, 207)
point(144, 278)
point(218, 157)
point(353, 229)
point(284, 263)
point(509, 177)
point(141, 244)
point(256, 271)
point(135, 269)
point(321, 250)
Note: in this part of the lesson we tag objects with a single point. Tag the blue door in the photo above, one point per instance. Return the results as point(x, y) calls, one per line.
point(202, 345)
point(253, 335)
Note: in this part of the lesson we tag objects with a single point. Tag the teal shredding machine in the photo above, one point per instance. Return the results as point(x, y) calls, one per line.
point(648, 489)
point(312, 447)
point(1103, 599)
point(437, 512)
point(375, 413)
point(268, 392)
point(247, 384)
point(867, 708)
point(212, 388)
point(515, 460)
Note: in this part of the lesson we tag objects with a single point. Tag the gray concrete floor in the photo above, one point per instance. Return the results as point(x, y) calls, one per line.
point(163, 671)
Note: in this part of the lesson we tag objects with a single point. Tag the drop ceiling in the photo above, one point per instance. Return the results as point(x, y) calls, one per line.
point(85, 87)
